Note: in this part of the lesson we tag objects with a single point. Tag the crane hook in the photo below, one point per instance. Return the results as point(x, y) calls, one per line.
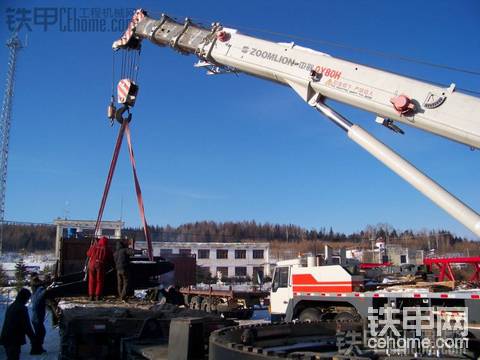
point(119, 114)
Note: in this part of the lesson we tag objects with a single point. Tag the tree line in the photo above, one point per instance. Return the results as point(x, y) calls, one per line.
point(19, 237)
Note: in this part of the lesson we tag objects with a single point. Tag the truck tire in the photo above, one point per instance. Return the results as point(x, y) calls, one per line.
point(310, 315)
point(196, 303)
point(209, 305)
point(347, 317)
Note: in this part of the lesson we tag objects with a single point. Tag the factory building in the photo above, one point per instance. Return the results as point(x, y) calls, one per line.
point(228, 259)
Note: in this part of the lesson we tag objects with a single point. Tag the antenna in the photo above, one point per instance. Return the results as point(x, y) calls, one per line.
point(66, 211)
point(14, 44)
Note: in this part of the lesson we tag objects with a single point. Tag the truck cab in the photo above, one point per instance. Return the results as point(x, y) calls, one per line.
point(302, 277)
point(282, 292)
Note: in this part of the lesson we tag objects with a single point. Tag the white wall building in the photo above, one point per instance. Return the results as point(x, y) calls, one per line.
point(230, 259)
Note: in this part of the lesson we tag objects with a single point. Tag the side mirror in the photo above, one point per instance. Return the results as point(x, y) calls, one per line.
point(260, 278)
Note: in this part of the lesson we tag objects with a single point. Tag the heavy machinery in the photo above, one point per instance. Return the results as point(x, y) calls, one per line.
point(310, 291)
point(333, 292)
point(318, 77)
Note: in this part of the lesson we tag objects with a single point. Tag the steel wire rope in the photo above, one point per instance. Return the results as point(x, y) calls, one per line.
point(352, 48)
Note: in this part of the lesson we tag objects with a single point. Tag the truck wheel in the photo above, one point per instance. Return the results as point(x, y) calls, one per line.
point(208, 305)
point(310, 315)
point(346, 317)
point(192, 302)
point(196, 303)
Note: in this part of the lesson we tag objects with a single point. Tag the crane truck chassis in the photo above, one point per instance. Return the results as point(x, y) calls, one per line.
point(313, 293)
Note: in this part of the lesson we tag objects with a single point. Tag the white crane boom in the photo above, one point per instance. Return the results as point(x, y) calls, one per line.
point(317, 76)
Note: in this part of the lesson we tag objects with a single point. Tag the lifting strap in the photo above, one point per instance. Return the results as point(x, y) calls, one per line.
point(138, 190)
point(118, 145)
point(113, 164)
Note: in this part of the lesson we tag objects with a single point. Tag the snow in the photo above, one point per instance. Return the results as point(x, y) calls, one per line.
point(33, 262)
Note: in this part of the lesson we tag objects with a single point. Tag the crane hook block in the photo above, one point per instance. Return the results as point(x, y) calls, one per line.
point(403, 104)
point(127, 92)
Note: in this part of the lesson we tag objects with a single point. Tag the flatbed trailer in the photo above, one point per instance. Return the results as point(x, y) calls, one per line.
point(230, 302)
point(355, 305)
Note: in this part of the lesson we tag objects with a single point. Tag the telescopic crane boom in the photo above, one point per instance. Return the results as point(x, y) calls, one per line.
point(316, 77)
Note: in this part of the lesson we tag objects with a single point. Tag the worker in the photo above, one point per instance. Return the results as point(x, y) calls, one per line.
point(38, 315)
point(16, 325)
point(122, 265)
point(99, 256)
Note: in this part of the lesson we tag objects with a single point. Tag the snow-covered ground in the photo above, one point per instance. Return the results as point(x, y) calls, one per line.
point(52, 339)
point(35, 262)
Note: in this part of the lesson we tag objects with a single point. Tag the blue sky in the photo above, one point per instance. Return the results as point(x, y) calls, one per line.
point(234, 148)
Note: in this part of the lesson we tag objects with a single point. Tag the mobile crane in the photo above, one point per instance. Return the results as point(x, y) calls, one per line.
point(312, 291)
point(301, 289)
point(317, 77)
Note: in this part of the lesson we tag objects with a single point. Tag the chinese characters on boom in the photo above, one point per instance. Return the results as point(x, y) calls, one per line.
point(410, 331)
point(67, 19)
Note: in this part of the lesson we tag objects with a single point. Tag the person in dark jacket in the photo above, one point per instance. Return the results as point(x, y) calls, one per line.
point(17, 325)
point(122, 265)
point(100, 256)
point(38, 315)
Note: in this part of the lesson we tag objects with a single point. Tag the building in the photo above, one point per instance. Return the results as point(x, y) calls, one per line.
point(78, 228)
point(229, 259)
point(393, 253)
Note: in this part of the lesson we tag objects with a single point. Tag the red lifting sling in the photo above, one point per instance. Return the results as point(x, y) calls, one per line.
point(125, 129)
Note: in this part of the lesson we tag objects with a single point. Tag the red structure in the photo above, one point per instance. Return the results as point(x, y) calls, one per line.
point(445, 268)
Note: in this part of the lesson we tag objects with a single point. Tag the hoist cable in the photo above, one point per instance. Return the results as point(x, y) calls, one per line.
point(113, 75)
point(369, 51)
point(344, 46)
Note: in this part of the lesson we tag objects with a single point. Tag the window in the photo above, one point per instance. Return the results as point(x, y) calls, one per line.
point(336, 260)
point(166, 252)
point(203, 253)
point(108, 232)
point(240, 254)
point(403, 259)
point(258, 254)
point(185, 251)
point(240, 271)
point(280, 279)
point(222, 254)
point(223, 270)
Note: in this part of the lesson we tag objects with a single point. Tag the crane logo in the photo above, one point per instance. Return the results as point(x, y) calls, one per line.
point(282, 59)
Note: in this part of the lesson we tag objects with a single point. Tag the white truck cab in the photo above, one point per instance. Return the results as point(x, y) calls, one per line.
point(295, 278)
point(282, 291)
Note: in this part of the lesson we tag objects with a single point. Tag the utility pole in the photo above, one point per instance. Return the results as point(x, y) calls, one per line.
point(14, 45)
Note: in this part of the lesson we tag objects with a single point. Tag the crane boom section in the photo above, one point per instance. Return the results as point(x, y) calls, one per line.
point(442, 111)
